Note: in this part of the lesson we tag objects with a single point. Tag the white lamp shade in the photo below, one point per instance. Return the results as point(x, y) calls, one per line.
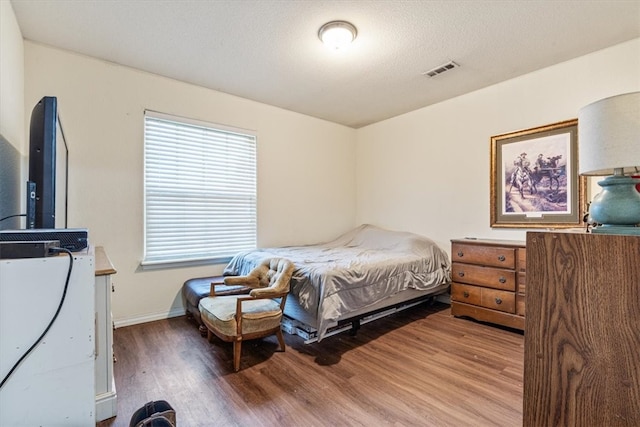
point(609, 135)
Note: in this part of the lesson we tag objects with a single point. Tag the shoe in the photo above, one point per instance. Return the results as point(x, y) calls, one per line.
point(154, 414)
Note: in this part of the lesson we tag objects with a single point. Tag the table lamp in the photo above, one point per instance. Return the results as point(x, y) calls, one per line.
point(609, 144)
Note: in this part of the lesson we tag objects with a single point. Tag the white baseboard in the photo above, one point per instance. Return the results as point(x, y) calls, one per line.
point(180, 311)
point(106, 405)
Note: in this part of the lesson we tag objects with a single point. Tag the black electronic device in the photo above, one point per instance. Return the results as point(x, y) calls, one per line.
point(73, 239)
point(15, 250)
point(31, 205)
point(48, 168)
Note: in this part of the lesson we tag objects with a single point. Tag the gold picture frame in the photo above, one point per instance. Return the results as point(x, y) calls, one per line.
point(534, 178)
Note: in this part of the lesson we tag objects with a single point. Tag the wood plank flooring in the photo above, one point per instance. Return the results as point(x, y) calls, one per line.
point(420, 367)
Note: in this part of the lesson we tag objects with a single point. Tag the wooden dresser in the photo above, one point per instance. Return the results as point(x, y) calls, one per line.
point(582, 345)
point(488, 280)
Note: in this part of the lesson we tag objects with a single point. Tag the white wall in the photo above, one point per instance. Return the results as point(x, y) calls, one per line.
point(12, 126)
point(427, 171)
point(306, 175)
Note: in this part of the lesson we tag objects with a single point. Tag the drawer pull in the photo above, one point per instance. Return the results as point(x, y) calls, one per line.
point(498, 301)
point(465, 294)
point(502, 280)
point(460, 254)
point(461, 273)
point(501, 258)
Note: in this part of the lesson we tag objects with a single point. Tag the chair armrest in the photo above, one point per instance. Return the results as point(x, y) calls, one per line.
point(212, 289)
point(271, 295)
point(228, 289)
point(239, 300)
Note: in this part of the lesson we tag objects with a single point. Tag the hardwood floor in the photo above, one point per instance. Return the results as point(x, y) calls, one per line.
point(420, 367)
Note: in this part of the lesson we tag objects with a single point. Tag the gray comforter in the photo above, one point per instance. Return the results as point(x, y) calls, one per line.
point(355, 270)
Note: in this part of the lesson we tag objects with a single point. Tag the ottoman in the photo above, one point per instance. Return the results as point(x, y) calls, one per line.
point(193, 290)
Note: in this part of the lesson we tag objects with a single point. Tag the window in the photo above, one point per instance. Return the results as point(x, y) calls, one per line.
point(200, 190)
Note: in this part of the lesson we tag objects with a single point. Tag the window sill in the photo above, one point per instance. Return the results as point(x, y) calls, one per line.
point(172, 264)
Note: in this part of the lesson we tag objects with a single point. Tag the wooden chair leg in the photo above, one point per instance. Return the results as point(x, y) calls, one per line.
point(203, 330)
point(237, 348)
point(280, 339)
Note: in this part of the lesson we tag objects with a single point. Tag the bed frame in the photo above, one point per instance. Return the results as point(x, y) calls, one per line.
point(299, 322)
point(388, 266)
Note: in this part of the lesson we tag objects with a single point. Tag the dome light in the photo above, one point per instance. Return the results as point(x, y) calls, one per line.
point(337, 35)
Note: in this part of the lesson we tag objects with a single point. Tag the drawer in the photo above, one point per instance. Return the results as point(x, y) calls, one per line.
point(466, 293)
point(486, 276)
point(494, 256)
point(484, 297)
point(498, 300)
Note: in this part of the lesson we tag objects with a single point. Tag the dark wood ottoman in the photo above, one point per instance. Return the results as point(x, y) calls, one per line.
point(195, 289)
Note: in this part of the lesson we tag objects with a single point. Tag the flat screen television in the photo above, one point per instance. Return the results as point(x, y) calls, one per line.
point(48, 167)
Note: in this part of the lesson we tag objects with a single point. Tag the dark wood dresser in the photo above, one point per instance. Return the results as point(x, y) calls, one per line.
point(582, 344)
point(488, 280)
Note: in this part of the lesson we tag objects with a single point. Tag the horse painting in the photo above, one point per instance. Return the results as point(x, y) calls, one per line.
point(548, 168)
point(521, 178)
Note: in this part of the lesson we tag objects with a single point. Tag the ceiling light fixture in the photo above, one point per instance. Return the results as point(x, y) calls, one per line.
point(337, 35)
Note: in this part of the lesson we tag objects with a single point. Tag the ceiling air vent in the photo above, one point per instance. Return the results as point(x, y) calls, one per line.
point(440, 69)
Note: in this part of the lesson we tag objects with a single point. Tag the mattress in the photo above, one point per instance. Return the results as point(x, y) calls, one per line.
point(357, 270)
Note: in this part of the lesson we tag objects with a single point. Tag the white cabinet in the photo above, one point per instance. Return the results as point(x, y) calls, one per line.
point(106, 398)
point(55, 384)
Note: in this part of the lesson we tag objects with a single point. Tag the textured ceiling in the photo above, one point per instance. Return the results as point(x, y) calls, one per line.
point(268, 51)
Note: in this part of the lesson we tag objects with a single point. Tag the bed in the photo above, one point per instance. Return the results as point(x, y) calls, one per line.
point(364, 271)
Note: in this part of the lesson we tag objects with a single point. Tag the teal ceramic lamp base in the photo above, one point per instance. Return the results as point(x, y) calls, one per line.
point(617, 207)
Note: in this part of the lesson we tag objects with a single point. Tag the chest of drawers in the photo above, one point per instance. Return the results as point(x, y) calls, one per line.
point(488, 280)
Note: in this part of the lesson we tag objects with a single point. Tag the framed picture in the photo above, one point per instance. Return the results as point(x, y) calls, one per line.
point(534, 178)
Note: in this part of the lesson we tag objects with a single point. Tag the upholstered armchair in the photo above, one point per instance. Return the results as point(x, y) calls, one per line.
point(236, 318)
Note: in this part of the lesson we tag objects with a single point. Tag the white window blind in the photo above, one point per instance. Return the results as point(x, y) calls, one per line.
point(200, 190)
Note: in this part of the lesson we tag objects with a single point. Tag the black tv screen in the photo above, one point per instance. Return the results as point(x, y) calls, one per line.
point(48, 168)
